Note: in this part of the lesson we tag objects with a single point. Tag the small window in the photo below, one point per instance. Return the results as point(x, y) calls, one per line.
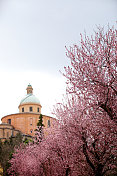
point(48, 123)
point(30, 91)
point(22, 109)
point(31, 131)
point(37, 109)
point(9, 121)
point(30, 109)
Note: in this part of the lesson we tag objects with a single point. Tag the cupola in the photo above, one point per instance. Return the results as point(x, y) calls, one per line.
point(30, 103)
point(29, 89)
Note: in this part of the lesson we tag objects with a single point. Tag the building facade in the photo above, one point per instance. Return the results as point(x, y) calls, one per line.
point(26, 120)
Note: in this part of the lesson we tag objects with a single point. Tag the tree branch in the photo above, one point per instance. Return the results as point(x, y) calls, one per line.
point(87, 157)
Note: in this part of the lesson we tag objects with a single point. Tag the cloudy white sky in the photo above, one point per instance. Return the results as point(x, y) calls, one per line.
point(33, 36)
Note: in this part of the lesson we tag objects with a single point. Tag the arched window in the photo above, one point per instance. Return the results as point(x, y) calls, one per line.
point(30, 109)
point(22, 109)
point(48, 123)
point(9, 121)
point(37, 109)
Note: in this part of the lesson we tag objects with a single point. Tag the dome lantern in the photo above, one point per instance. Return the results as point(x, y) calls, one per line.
point(29, 89)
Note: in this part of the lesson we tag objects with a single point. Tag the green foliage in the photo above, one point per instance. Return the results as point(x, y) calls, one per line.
point(26, 141)
point(40, 122)
point(7, 149)
point(39, 130)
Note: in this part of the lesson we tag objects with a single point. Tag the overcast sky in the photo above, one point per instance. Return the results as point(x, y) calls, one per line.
point(33, 36)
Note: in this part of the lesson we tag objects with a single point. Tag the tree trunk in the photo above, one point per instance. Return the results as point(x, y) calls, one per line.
point(67, 171)
point(99, 170)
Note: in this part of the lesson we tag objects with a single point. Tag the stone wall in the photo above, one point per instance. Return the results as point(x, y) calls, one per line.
point(7, 130)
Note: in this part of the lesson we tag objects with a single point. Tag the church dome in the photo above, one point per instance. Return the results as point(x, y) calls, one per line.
point(30, 103)
point(30, 98)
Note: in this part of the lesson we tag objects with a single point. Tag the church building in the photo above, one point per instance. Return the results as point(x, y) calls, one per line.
point(26, 120)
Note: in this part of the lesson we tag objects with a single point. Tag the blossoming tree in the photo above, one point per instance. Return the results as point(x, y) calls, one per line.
point(83, 141)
